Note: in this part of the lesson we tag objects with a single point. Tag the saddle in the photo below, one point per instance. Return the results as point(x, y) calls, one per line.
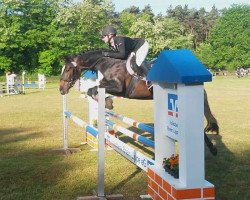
point(135, 70)
point(138, 73)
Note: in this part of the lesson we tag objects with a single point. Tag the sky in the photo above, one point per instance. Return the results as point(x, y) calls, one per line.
point(161, 6)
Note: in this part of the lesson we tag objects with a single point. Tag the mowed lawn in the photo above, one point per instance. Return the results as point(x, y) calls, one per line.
point(31, 127)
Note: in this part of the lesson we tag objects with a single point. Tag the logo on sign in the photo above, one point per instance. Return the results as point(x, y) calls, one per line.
point(172, 105)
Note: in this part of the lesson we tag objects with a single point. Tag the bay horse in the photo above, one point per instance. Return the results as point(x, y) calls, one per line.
point(117, 81)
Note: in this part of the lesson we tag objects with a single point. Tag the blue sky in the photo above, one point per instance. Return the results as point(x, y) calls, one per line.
point(162, 5)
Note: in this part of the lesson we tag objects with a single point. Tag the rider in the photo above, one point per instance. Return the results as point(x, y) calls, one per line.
point(122, 47)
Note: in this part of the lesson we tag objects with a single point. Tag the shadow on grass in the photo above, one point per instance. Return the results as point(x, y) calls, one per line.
point(225, 170)
point(16, 135)
point(30, 171)
point(36, 174)
point(30, 175)
point(4, 131)
point(123, 182)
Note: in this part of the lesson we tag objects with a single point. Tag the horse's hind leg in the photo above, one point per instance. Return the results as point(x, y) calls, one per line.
point(210, 145)
point(109, 103)
point(212, 124)
point(93, 92)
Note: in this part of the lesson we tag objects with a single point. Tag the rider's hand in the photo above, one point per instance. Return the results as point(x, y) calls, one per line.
point(106, 54)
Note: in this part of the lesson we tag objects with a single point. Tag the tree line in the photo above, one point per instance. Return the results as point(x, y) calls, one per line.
point(35, 35)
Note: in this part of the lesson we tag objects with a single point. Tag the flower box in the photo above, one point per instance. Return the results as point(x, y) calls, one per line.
point(171, 165)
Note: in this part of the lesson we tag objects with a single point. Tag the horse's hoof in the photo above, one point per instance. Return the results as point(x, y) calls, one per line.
point(109, 103)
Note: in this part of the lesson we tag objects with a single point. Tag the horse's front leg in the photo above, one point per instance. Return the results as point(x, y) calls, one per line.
point(112, 86)
point(93, 92)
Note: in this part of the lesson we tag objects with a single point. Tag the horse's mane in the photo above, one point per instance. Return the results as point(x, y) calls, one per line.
point(69, 58)
point(94, 50)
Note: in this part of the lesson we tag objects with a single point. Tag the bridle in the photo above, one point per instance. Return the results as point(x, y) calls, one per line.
point(73, 65)
point(72, 80)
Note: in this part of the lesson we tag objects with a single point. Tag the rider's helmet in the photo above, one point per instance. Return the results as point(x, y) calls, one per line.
point(108, 30)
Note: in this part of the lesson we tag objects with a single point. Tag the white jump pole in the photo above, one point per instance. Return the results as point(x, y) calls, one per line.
point(8, 84)
point(65, 125)
point(23, 80)
point(101, 141)
point(65, 148)
point(100, 193)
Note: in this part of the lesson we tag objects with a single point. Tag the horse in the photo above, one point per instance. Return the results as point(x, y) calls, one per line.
point(119, 82)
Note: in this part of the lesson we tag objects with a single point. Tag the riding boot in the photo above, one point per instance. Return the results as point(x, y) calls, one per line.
point(144, 68)
point(138, 70)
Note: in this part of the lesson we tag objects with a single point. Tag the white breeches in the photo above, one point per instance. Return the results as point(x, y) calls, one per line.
point(141, 53)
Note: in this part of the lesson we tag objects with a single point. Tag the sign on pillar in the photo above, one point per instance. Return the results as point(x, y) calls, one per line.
point(165, 145)
point(172, 114)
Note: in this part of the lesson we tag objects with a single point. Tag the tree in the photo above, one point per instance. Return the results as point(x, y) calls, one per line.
point(130, 15)
point(212, 18)
point(206, 55)
point(162, 34)
point(36, 34)
point(132, 9)
point(126, 20)
point(148, 13)
point(196, 22)
point(24, 32)
point(229, 40)
point(75, 28)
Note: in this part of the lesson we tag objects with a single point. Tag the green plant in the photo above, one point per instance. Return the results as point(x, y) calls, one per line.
point(171, 165)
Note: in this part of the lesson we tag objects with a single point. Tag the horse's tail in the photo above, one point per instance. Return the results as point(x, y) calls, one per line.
point(212, 124)
point(210, 145)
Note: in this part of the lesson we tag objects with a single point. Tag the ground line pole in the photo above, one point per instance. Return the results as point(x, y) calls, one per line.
point(101, 141)
point(65, 125)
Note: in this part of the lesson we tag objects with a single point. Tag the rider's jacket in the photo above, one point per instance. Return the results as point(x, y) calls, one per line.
point(123, 46)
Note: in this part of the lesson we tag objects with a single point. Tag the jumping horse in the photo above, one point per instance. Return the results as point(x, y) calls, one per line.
point(117, 81)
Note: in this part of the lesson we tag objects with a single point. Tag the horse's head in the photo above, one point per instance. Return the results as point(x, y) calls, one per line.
point(74, 65)
point(71, 72)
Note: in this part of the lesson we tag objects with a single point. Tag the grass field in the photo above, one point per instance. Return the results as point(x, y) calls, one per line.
point(31, 127)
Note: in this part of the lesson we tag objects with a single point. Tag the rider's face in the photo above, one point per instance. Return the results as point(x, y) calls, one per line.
point(105, 38)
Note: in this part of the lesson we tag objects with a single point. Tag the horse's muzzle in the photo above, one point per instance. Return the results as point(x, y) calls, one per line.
point(64, 87)
point(63, 90)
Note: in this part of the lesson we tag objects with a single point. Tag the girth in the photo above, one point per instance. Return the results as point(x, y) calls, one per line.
point(132, 83)
point(131, 86)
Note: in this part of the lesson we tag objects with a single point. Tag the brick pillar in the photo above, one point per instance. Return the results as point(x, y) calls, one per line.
point(162, 186)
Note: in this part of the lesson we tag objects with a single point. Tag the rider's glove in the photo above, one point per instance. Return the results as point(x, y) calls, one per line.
point(106, 54)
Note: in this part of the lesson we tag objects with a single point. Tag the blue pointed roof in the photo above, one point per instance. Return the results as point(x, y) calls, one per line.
point(178, 66)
